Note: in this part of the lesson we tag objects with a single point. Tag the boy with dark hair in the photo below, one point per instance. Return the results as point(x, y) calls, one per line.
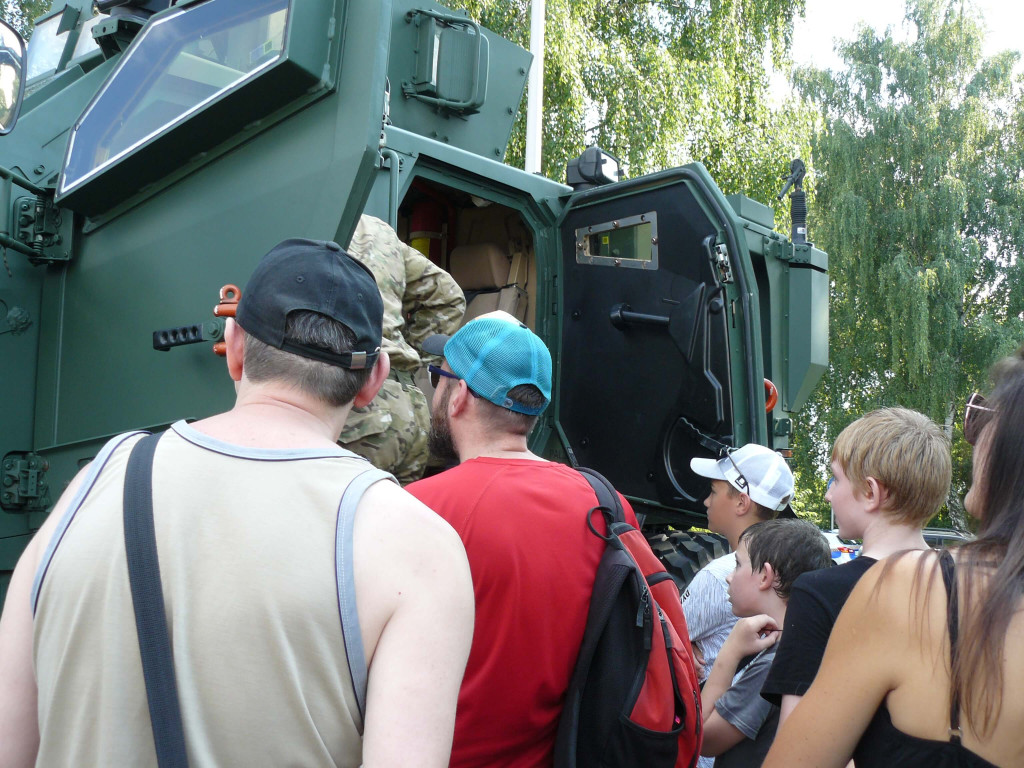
point(891, 472)
point(739, 726)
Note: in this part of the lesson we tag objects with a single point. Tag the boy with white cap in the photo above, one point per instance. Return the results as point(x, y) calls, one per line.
point(748, 485)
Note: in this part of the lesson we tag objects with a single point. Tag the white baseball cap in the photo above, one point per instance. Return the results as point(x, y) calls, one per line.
point(759, 472)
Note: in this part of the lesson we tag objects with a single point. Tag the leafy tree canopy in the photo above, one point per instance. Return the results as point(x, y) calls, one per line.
point(662, 83)
point(20, 14)
point(919, 193)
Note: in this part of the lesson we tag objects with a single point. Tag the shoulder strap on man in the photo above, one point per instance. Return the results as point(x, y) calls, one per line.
point(148, 602)
point(607, 496)
point(344, 575)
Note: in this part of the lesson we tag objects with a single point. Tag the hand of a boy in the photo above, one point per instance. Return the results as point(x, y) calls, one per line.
point(753, 634)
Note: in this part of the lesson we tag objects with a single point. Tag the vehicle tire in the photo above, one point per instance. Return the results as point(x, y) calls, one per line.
point(683, 553)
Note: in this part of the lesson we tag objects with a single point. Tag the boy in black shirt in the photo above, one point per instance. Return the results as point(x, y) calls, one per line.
point(891, 472)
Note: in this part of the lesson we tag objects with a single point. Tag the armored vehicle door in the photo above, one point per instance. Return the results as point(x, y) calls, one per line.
point(659, 351)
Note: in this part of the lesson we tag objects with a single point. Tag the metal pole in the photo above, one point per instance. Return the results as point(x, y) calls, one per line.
point(535, 93)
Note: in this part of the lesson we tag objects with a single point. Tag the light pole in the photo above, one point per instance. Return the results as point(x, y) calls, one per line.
point(535, 95)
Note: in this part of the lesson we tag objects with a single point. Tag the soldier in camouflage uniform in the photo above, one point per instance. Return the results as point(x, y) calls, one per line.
point(420, 299)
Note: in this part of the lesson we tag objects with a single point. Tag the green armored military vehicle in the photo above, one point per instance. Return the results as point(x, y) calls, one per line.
point(160, 149)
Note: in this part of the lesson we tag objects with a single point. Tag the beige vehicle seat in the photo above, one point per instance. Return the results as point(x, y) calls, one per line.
point(490, 278)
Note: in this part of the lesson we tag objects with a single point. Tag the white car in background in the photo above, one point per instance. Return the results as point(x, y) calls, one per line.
point(843, 550)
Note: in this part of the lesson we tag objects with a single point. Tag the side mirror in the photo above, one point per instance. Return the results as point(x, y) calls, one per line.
point(12, 76)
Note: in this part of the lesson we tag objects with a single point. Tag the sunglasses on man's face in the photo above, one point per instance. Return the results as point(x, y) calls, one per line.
point(436, 374)
point(977, 415)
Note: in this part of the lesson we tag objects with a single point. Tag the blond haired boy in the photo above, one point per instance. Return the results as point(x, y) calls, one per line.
point(890, 475)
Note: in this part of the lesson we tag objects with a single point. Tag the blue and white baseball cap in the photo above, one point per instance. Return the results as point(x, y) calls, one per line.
point(493, 354)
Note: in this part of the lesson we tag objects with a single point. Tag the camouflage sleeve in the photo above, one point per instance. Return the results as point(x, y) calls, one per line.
point(433, 303)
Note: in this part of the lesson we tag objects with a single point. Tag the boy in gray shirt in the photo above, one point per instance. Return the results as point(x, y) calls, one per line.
point(739, 726)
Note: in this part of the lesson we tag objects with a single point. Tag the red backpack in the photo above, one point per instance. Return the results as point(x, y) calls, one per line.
point(634, 697)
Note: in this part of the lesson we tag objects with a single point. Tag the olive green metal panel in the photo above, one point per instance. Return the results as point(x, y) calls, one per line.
point(161, 263)
point(793, 282)
point(485, 133)
point(806, 339)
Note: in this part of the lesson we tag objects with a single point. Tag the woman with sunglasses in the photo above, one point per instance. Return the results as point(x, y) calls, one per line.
point(926, 661)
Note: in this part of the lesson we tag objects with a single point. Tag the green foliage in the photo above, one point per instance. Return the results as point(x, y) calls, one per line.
point(662, 83)
point(21, 14)
point(918, 192)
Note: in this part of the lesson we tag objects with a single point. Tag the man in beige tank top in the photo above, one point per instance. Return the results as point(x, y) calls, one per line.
point(304, 631)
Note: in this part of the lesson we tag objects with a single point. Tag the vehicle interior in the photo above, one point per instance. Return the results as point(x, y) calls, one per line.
point(485, 246)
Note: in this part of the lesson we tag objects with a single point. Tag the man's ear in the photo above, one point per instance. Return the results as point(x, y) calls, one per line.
point(378, 375)
point(766, 577)
point(234, 348)
point(460, 399)
point(876, 496)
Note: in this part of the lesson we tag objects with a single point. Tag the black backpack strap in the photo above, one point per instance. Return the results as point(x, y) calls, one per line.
point(148, 602)
point(608, 583)
point(607, 496)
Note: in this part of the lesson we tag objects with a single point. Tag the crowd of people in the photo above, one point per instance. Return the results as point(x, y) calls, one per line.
point(310, 611)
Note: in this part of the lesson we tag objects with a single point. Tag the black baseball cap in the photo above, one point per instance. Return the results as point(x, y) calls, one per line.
point(318, 276)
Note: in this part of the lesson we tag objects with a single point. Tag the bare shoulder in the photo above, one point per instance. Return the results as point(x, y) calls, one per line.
point(405, 547)
point(410, 568)
point(386, 509)
point(898, 596)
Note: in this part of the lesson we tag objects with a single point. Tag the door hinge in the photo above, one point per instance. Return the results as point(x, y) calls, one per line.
point(723, 263)
point(44, 228)
point(23, 486)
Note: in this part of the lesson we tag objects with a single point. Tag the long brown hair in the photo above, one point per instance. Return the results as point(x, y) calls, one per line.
point(991, 568)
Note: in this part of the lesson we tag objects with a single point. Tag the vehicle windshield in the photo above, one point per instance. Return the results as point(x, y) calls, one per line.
point(179, 63)
point(46, 46)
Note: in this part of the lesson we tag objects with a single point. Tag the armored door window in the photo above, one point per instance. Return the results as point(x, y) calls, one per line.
point(180, 63)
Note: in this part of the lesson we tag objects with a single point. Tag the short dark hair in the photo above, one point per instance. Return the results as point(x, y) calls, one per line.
point(791, 546)
point(332, 384)
point(513, 422)
point(761, 512)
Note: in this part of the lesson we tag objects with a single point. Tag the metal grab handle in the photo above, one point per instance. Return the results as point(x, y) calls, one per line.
point(622, 315)
point(472, 103)
point(166, 338)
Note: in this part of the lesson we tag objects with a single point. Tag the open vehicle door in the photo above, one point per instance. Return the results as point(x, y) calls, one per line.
point(660, 356)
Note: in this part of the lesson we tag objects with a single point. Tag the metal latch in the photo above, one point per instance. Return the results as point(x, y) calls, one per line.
point(723, 263)
point(23, 486)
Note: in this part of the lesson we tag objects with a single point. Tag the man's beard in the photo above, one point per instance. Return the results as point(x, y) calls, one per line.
point(440, 441)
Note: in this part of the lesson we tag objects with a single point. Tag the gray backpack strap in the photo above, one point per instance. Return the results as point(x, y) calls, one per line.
point(345, 577)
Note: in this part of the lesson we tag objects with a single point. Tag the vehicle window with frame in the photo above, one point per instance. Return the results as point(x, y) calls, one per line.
point(178, 64)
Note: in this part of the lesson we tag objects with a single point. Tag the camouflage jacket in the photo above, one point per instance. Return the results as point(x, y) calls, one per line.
point(420, 298)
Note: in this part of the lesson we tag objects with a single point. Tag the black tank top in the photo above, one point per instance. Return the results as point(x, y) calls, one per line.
point(884, 745)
